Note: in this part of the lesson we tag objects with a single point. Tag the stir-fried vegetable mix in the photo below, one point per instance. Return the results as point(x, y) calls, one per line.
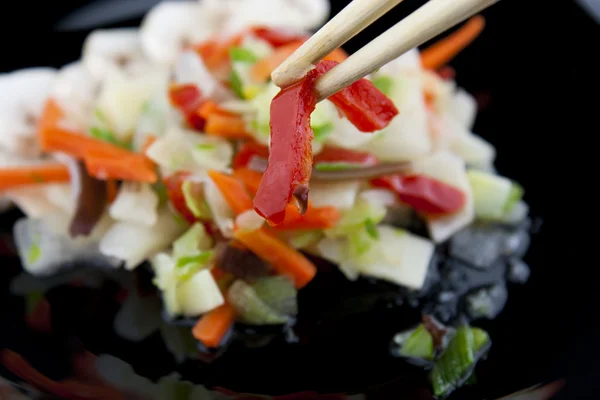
point(187, 156)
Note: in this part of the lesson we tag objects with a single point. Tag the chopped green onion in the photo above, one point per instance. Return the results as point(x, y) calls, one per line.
point(456, 364)
point(236, 84)
point(107, 136)
point(279, 293)
point(241, 54)
point(205, 147)
point(371, 228)
point(194, 199)
point(34, 253)
point(301, 240)
point(187, 266)
point(419, 344)
point(191, 242)
point(383, 83)
point(250, 307)
point(516, 194)
point(360, 242)
point(335, 166)
point(322, 131)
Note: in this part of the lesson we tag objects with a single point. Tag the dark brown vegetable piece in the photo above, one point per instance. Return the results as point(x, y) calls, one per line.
point(242, 263)
point(91, 201)
point(436, 330)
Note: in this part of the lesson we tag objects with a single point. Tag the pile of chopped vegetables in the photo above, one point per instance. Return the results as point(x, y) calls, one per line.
point(170, 144)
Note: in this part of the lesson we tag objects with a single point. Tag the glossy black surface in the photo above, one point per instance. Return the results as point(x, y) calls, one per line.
point(533, 72)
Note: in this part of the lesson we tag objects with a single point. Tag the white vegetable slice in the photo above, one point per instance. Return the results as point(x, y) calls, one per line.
point(341, 195)
point(464, 108)
point(136, 203)
point(107, 51)
point(165, 279)
point(491, 193)
point(474, 150)
point(190, 69)
point(179, 149)
point(449, 169)
point(122, 100)
point(135, 243)
point(221, 211)
point(199, 294)
point(407, 136)
point(404, 258)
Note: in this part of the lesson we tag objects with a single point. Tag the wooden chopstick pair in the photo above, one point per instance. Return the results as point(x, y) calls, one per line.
point(430, 20)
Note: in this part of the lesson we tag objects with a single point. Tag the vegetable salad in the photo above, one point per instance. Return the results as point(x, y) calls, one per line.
point(169, 144)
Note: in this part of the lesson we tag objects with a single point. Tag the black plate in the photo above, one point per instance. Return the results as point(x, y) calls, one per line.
point(529, 72)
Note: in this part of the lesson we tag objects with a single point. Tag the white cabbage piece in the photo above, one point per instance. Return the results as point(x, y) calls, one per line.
point(449, 169)
point(170, 26)
point(407, 136)
point(341, 195)
point(136, 203)
point(122, 99)
point(464, 108)
point(107, 51)
point(42, 200)
point(75, 91)
point(24, 93)
point(190, 69)
point(135, 243)
point(222, 213)
point(45, 247)
point(180, 149)
point(156, 116)
point(165, 279)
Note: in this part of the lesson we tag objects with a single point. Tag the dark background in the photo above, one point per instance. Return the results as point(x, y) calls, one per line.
point(535, 63)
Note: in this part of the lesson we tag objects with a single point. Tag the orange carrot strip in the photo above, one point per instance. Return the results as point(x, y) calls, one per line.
point(32, 174)
point(440, 53)
point(213, 326)
point(261, 71)
point(133, 167)
point(150, 139)
point(233, 191)
point(228, 126)
point(314, 218)
point(80, 145)
point(209, 108)
point(251, 179)
point(338, 55)
point(112, 190)
point(284, 259)
point(51, 115)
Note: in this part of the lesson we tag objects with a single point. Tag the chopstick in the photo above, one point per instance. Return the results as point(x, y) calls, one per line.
point(355, 17)
point(428, 21)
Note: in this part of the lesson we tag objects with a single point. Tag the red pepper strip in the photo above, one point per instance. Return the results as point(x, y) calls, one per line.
point(188, 99)
point(174, 184)
point(363, 104)
point(67, 389)
point(277, 37)
point(338, 154)
point(426, 195)
point(248, 150)
point(290, 159)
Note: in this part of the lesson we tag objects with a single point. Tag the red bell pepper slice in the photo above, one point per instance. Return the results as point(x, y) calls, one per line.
point(174, 184)
point(290, 159)
point(188, 99)
point(277, 37)
point(248, 150)
point(426, 195)
point(339, 154)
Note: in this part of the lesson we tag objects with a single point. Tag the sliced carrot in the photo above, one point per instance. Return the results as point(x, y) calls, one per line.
point(79, 145)
point(150, 139)
point(440, 53)
point(228, 126)
point(261, 71)
point(213, 326)
point(251, 179)
point(32, 174)
point(112, 189)
point(133, 167)
point(234, 192)
point(313, 218)
point(51, 116)
point(209, 108)
point(284, 259)
point(337, 55)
